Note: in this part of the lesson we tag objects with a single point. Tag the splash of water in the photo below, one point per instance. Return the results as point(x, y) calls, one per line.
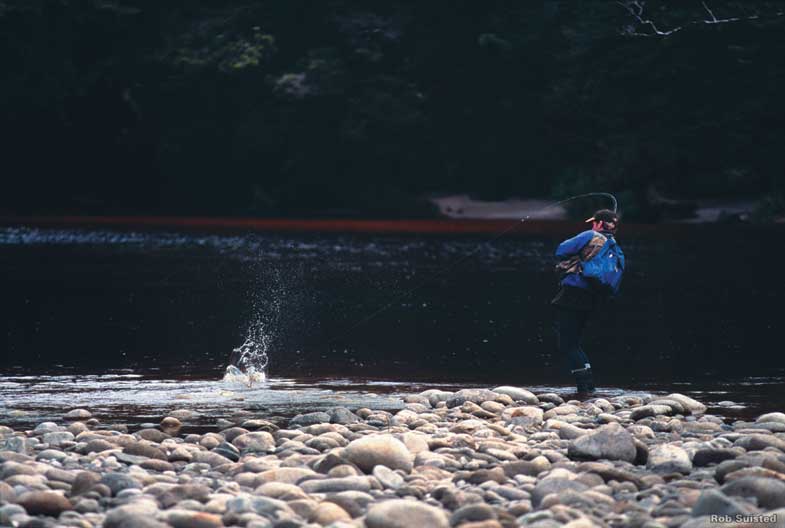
point(249, 361)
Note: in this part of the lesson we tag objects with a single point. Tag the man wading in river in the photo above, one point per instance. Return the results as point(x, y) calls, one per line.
point(590, 269)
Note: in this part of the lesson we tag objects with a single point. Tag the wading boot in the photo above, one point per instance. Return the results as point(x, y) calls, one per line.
point(584, 381)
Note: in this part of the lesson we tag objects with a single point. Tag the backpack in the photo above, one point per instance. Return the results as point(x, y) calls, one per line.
point(606, 267)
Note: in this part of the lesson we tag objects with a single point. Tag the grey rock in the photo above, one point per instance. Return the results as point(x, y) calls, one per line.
point(78, 414)
point(388, 478)
point(689, 404)
point(472, 513)
point(375, 450)
point(57, 438)
point(228, 450)
point(769, 492)
point(714, 502)
point(259, 505)
point(772, 417)
point(46, 427)
point(309, 419)
point(256, 442)
point(610, 441)
point(8, 511)
point(399, 513)
point(333, 485)
point(16, 444)
point(758, 442)
point(179, 493)
point(118, 482)
point(138, 514)
point(555, 485)
point(708, 456)
point(650, 410)
point(477, 396)
point(518, 394)
point(342, 415)
point(667, 458)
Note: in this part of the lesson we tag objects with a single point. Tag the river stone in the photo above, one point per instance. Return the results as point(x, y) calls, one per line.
point(399, 513)
point(435, 396)
point(171, 425)
point(342, 415)
point(180, 518)
point(524, 416)
point(758, 442)
point(57, 438)
point(328, 513)
point(693, 406)
point(650, 410)
point(554, 485)
point(707, 456)
point(388, 478)
point(667, 458)
point(172, 496)
point(98, 445)
point(83, 482)
point(385, 450)
point(311, 418)
point(769, 492)
point(288, 475)
point(44, 503)
point(47, 427)
point(78, 414)
point(259, 505)
point(228, 450)
point(7, 493)
point(334, 485)
point(256, 442)
point(610, 441)
point(117, 482)
point(152, 435)
point(137, 514)
point(15, 444)
point(472, 513)
point(771, 417)
point(518, 394)
point(281, 491)
point(477, 396)
point(144, 450)
point(714, 502)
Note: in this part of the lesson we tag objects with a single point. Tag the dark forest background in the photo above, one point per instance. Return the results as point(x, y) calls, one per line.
point(338, 107)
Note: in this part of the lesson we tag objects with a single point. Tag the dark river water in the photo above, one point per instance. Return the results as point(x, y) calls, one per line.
point(137, 323)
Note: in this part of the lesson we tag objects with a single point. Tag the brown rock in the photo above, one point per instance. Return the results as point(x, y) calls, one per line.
point(44, 503)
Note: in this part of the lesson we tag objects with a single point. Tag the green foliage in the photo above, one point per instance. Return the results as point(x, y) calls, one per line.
point(270, 107)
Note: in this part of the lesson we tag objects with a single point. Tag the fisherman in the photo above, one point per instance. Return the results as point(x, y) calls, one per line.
point(579, 296)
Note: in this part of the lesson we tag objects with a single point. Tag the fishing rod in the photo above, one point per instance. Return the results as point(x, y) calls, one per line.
point(446, 270)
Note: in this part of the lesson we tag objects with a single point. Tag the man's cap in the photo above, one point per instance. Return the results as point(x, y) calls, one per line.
point(603, 215)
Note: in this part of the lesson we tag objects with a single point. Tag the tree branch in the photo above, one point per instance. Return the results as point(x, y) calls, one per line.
point(636, 10)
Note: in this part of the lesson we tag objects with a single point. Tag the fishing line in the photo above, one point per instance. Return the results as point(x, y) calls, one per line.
point(446, 270)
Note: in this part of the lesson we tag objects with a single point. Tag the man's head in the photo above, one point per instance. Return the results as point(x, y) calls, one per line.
point(604, 220)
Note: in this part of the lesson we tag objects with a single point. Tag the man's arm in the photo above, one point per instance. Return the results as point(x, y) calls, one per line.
point(573, 245)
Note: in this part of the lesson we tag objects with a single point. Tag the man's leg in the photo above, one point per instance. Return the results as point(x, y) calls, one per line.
point(570, 325)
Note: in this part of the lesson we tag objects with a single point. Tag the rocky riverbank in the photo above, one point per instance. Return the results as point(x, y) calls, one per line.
point(475, 458)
